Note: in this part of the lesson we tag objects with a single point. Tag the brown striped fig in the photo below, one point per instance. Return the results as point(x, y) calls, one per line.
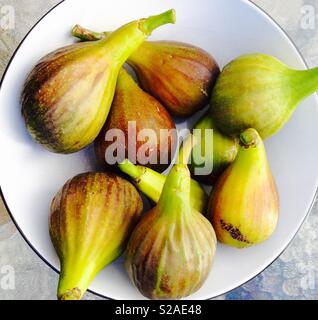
point(179, 75)
point(171, 251)
point(91, 219)
point(68, 94)
point(135, 112)
point(244, 204)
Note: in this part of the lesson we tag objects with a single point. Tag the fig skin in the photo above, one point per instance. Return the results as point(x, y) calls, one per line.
point(170, 253)
point(132, 104)
point(71, 78)
point(222, 154)
point(181, 76)
point(176, 266)
point(67, 96)
point(244, 205)
point(258, 91)
point(90, 222)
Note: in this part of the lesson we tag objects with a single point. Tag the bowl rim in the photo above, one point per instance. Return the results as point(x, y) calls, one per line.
point(249, 2)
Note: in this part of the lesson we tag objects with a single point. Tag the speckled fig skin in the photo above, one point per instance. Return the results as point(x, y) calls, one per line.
point(68, 94)
point(244, 204)
point(91, 219)
point(258, 91)
point(223, 152)
point(179, 75)
point(170, 253)
point(131, 103)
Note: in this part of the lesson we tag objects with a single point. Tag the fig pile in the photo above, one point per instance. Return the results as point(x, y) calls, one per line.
point(82, 94)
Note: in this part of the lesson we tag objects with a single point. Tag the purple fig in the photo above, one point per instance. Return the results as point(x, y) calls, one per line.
point(133, 111)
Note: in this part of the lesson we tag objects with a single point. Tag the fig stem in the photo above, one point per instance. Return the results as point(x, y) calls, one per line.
point(151, 183)
point(72, 294)
point(130, 169)
point(249, 138)
point(175, 197)
point(307, 82)
point(86, 34)
point(147, 181)
point(145, 25)
point(73, 283)
point(186, 149)
point(153, 22)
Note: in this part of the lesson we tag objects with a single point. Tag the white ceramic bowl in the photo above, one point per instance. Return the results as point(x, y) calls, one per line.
point(30, 176)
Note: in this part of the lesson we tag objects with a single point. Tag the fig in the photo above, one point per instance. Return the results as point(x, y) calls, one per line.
point(91, 220)
point(215, 151)
point(179, 75)
point(170, 253)
point(244, 205)
point(151, 183)
point(67, 96)
point(258, 91)
point(134, 112)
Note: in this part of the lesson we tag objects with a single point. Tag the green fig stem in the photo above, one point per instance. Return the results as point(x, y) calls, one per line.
point(186, 150)
point(306, 82)
point(151, 183)
point(146, 25)
point(72, 283)
point(135, 172)
point(86, 34)
point(249, 138)
point(147, 181)
point(120, 44)
point(251, 149)
point(176, 193)
point(153, 22)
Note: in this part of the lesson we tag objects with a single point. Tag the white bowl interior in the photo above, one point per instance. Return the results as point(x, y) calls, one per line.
point(30, 176)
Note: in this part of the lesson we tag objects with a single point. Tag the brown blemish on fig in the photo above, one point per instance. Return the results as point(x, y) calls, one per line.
point(165, 285)
point(73, 294)
point(234, 232)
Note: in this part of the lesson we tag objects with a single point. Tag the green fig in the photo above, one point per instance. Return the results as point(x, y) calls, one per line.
point(258, 91)
point(91, 219)
point(179, 75)
point(135, 112)
point(170, 253)
point(68, 94)
point(244, 204)
point(215, 151)
point(151, 183)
